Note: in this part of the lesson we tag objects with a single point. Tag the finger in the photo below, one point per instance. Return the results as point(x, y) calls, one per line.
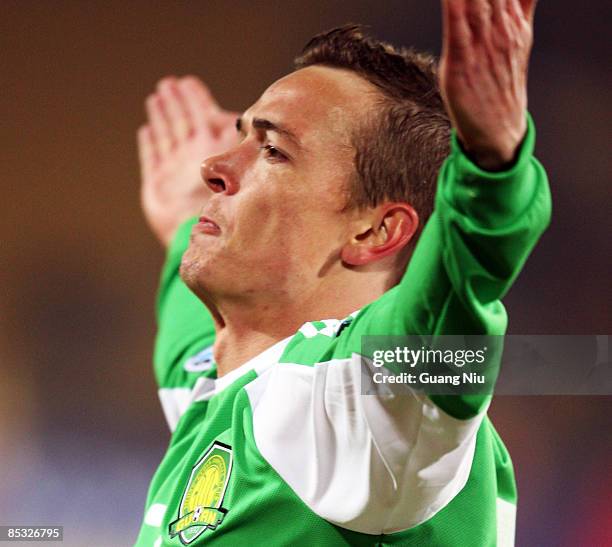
point(523, 36)
point(479, 13)
point(500, 8)
point(502, 25)
point(147, 152)
point(528, 7)
point(522, 12)
point(176, 114)
point(457, 35)
point(524, 24)
point(199, 103)
point(160, 128)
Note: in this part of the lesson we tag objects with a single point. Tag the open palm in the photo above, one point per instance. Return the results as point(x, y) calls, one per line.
point(185, 126)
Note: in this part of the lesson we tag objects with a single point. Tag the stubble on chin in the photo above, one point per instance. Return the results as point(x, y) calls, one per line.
point(190, 269)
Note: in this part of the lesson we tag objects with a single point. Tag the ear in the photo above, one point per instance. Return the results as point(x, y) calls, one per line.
point(385, 232)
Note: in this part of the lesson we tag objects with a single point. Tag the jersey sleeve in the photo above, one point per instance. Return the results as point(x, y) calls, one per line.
point(185, 331)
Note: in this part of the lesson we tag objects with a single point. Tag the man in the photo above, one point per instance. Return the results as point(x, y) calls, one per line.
point(312, 213)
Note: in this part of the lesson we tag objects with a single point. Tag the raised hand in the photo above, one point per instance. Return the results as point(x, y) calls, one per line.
point(483, 75)
point(185, 126)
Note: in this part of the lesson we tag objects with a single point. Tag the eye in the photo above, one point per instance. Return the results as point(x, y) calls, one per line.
point(273, 153)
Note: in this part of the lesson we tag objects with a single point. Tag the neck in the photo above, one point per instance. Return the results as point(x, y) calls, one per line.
point(235, 346)
point(247, 327)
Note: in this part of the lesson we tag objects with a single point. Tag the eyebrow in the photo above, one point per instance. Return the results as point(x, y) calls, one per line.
point(262, 124)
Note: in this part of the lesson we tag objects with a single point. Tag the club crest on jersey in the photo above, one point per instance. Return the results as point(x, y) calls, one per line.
point(201, 506)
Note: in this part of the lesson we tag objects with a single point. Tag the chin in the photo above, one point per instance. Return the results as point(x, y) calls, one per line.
point(200, 272)
point(192, 268)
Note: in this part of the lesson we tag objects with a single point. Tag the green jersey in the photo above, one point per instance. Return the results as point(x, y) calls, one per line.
point(285, 450)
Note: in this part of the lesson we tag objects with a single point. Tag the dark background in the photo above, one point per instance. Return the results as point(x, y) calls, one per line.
point(81, 430)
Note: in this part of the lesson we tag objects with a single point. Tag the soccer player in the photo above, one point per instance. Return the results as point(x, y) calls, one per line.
point(306, 241)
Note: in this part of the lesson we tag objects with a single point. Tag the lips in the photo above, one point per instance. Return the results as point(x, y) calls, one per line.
point(208, 226)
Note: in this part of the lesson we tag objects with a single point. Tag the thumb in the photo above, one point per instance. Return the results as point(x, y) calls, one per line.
point(528, 7)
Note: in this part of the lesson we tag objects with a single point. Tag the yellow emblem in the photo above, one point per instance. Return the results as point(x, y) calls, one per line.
point(200, 507)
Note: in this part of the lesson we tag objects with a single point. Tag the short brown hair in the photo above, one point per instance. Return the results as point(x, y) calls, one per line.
point(399, 149)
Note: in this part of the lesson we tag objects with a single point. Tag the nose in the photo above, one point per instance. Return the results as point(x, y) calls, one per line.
point(217, 175)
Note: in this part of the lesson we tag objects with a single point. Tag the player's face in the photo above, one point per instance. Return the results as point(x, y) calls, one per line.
point(275, 220)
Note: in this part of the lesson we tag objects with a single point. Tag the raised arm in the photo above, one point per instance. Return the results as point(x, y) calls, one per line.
point(492, 201)
point(414, 453)
point(184, 126)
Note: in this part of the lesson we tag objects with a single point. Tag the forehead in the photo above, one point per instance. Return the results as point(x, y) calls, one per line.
point(317, 103)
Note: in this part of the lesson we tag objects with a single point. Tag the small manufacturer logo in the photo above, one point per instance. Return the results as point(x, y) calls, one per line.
point(200, 362)
point(201, 507)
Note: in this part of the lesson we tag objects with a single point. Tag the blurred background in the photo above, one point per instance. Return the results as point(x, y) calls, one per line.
point(81, 429)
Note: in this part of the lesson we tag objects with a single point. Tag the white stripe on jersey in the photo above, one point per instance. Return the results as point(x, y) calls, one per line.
point(155, 515)
point(506, 522)
point(174, 402)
